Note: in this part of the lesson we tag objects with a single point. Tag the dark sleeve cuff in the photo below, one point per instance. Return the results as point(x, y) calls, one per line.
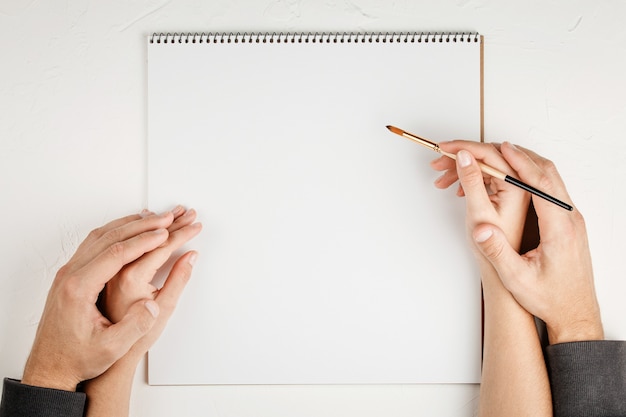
point(588, 378)
point(19, 400)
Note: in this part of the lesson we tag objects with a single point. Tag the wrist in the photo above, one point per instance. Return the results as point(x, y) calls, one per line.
point(489, 277)
point(583, 330)
point(52, 373)
point(43, 380)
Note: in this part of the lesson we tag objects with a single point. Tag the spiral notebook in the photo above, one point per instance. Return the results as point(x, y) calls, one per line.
point(327, 255)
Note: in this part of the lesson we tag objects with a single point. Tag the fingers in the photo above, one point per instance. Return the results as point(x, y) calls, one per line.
point(447, 179)
point(186, 217)
point(167, 299)
point(176, 282)
point(129, 230)
point(478, 204)
point(542, 174)
point(134, 281)
point(97, 233)
point(103, 238)
point(181, 217)
point(488, 153)
point(538, 171)
point(120, 337)
point(111, 260)
point(145, 268)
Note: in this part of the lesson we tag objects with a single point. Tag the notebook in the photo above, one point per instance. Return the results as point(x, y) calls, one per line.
point(327, 255)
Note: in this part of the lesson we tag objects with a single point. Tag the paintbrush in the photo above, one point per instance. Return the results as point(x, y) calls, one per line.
point(484, 168)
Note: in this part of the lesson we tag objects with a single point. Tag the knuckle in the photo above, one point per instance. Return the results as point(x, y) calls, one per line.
point(185, 274)
point(143, 324)
point(167, 245)
point(472, 179)
point(113, 236)
point(69, 284)
point(117, 250)
point(548, 172)
point(63, 273)
point(127, 273)
point(494, 146)
point(126, 284)
point(96, 233)
point(109, 350)
point(493, 249)
point(544, 182)
point(71, 288)
point(574, 229)
point(548, 166)
point(167, 306)
point(578, 219)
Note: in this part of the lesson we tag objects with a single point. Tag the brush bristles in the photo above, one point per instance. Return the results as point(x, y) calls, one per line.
point(396, 130)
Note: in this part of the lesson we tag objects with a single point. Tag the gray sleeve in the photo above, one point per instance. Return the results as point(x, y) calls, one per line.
point(588, 378)
point(19, 400)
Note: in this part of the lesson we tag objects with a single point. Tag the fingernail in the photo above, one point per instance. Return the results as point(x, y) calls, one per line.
point(483, 236)
point(145, 213)
point(177, 210)
point(192, 258)
point(152, 307)
point(159, 231)
point(464, 159)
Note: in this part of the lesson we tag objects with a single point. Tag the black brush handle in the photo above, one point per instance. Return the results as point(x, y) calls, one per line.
point(537, 192)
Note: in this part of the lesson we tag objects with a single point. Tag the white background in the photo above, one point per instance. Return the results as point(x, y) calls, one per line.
point(73, 136)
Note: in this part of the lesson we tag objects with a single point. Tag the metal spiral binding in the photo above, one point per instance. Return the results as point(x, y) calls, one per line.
point(321, 38)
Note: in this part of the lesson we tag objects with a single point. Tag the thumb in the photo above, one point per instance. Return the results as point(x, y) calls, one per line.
point(139, 320)
point(493, 244)
point(471, 177)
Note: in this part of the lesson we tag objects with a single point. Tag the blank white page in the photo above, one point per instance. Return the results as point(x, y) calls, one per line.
point(327, 255)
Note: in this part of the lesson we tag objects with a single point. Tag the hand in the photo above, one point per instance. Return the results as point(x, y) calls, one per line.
point(109, 393)
point(554, 281)
point(134, 281)
point(74, 341)
point(489, 200)
point(508, 387)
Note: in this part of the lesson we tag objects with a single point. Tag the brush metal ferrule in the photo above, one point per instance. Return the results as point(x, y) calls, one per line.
point(424, 142)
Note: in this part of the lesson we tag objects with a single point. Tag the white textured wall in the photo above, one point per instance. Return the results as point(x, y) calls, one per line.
point(73, 134)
